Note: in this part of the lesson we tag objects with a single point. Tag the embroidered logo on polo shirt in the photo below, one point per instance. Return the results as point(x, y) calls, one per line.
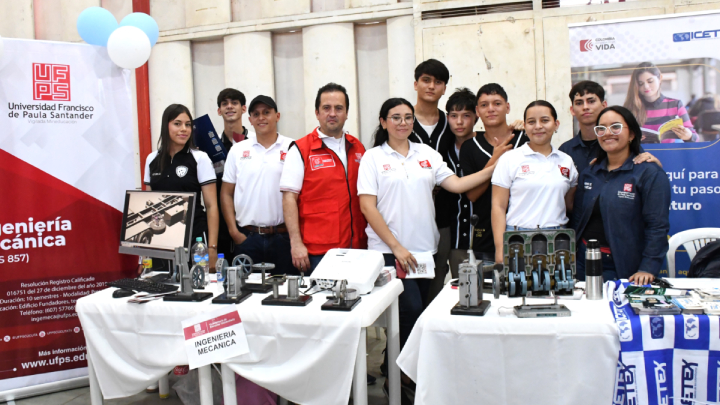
point(588, 186)
point(386, 167)
point(282, 156)
point(246, 155)
point(564, 171)
point(525, 171)
point(627, 192)
point(321, 161)
point(358, 155)
point(181, 171)
point(425, 164)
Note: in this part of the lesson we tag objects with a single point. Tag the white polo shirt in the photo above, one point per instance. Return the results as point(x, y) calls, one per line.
point(294, 174)
point(537, 185)
point(256, 172)
point(404, 189)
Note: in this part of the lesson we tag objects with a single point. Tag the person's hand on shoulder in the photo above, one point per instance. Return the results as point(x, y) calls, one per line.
point(646, 157)
point(517, 125)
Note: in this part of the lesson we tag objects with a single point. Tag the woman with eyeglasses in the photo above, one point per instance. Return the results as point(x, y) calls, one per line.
point(624, 206)
point(396, 179)
point(533, 185)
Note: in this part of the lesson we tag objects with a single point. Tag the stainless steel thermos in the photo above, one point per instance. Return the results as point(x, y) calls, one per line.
point(593, 271)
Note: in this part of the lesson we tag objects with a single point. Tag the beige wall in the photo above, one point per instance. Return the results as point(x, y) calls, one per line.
point(527, 52)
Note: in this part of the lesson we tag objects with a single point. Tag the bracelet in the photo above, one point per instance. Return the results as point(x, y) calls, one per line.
point(213, 247)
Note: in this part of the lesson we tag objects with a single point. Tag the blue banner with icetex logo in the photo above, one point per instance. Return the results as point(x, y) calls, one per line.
point(693, 170)
point(668, 359)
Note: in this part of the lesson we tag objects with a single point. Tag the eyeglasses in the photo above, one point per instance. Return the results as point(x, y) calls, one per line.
point(397, 120)
point(614, 129)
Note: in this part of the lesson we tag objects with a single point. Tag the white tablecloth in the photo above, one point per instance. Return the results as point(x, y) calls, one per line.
point(301, 353)
point(500, 359)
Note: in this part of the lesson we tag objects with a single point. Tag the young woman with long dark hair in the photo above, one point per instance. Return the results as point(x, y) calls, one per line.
point(177, 165)
point(624, 206)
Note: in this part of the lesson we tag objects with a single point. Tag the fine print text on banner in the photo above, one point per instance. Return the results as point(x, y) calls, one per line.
point(212, 337)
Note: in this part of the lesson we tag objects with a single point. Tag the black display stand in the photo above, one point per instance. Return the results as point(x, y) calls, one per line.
point(257, 288)
point(479, 310)
point(223, 298)
point(283, 300)
point(347, 305)
point(194, 297)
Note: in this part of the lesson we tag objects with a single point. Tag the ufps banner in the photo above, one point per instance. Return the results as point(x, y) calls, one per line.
point(66, 157)
point(666, 70)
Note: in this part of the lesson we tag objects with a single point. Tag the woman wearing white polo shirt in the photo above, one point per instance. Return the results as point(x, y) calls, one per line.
point(396, 179)
point(533, 185)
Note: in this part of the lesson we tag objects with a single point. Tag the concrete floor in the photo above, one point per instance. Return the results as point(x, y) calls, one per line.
point(81, 396)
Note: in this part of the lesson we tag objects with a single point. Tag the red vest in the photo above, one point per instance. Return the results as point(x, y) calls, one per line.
point(328, 203)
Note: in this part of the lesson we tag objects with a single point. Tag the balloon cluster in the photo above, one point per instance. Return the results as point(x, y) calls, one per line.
point(128, 43)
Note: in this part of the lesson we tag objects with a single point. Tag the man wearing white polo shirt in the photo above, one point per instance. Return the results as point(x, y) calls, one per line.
point(252, 202)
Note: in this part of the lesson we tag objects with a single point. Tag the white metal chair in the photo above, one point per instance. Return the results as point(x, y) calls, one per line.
point(692, 240)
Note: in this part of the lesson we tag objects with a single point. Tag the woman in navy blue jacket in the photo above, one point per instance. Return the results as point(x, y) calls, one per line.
point(623, 205)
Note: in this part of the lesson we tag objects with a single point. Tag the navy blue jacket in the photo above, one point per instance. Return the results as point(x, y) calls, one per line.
point(635, 208)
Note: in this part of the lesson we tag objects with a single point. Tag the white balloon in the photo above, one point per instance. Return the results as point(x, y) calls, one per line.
point(129, 47)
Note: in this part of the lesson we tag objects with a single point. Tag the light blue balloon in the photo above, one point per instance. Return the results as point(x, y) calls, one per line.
point(95, 24)
point(146, 23)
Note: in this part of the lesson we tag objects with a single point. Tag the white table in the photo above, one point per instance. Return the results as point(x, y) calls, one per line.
point(303, 354)
point(500, 359)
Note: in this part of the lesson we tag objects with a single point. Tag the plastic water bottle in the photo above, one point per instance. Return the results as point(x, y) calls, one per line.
point(200, 256)
point(221, 268)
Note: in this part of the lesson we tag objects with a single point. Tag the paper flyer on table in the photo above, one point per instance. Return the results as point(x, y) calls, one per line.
point(426, 266)
point(212, 337)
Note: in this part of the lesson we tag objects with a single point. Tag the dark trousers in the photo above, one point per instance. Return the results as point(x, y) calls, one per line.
point(411, 302)
point(609, 272)
point(266, 248)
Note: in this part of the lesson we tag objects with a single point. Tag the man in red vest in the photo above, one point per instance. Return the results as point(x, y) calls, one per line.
point(319, 185)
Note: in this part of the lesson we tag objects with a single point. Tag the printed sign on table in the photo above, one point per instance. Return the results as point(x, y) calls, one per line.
point(212, 337)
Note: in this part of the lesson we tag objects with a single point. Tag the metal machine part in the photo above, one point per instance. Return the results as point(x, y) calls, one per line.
point(234, 281)
point(278, 299)
point(198, 277)
point(537, 263)
point(470, 286)
point(246, 264)
point(343, 298)
point(541, 310)
point(186, 280)
point(293, 287)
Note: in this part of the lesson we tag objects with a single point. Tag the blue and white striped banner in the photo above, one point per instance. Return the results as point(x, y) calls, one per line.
point(668, 359)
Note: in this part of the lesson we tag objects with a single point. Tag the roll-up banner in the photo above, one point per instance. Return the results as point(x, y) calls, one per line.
point(66, 157)
point(666, 70)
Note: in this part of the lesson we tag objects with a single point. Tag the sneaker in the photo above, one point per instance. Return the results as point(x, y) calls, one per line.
point(152, 389)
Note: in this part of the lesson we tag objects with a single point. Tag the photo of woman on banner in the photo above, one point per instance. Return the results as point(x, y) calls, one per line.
point(177, 165)
point(662, 119)
point(622, 205)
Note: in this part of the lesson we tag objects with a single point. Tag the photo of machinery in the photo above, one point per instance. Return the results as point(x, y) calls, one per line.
point(155, 219)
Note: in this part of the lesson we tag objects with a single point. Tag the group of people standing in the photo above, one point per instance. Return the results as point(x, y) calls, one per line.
point(415, 191)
